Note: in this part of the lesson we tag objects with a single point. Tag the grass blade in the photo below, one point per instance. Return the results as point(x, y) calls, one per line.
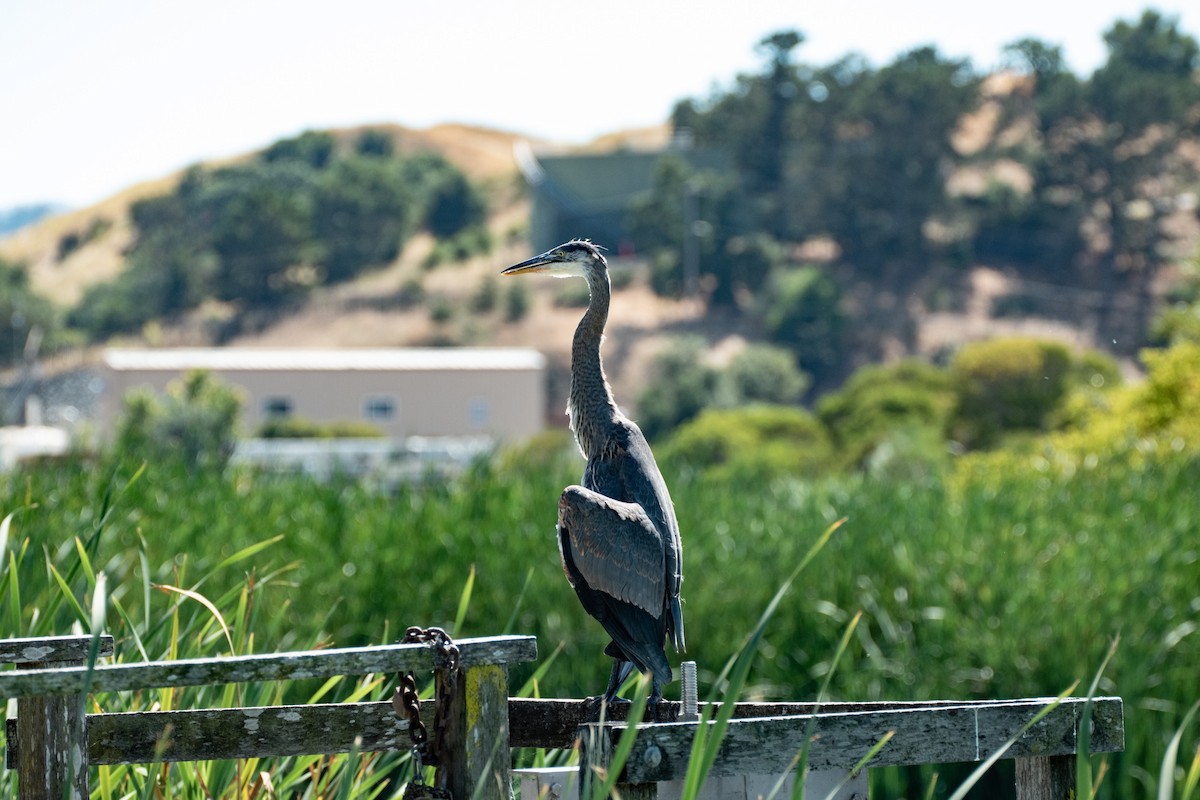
point(247, 552)
point(516, 612)
point(14, 596)
point(85, 563)
point(802, 756)
point(6, 524)
point(204, 601)
point(464, 601)
point(67, 594)
point(540, 673)
point(1083, 761)
point(1166, 773)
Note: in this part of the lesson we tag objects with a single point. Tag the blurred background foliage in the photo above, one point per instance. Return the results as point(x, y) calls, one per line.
point(982, 572)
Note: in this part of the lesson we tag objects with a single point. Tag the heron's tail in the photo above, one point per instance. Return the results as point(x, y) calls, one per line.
point(676, 626)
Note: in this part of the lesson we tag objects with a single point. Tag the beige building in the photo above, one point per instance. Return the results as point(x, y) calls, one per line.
point(496, 392)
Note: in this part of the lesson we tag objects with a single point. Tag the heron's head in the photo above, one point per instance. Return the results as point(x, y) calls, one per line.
point(576, 257)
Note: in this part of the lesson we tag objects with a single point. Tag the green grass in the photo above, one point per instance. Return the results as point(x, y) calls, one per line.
point(998, 581)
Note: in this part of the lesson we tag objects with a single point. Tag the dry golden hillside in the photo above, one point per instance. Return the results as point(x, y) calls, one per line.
point(482, 153)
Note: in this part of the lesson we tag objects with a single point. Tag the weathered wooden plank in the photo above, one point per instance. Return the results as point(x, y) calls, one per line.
point(1049, 778)
point(552, 723)
point(838, 740)
point(273, 666)
point(48, 649)
point(132, 737)
point(210, 734)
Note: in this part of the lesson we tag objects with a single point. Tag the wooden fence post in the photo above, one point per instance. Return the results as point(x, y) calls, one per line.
point(476, 759)
point(51, 735)
point(1046, 778)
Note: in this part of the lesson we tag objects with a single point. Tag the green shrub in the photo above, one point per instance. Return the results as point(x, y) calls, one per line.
point(301, 428)
point(195, 422)
point(517, 301)
point(1168, 403)
point(486, 296)
point(441, 309)
point(1006, 385)
point(757, 441)
point(682, 387)
point(877, 401)
point(762, 373)
point(802, 311)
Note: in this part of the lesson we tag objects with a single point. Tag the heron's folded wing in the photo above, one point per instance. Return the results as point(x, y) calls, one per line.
point(615, 547)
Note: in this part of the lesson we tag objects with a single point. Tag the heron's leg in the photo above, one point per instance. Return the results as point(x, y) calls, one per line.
point(655, 697)
point(620, 671)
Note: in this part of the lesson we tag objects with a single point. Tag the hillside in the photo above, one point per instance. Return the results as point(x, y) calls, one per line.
point(105, 231)
point(374, 310)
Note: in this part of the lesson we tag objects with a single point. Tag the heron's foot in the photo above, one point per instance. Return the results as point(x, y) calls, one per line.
point(593, 706)
point(652, 704)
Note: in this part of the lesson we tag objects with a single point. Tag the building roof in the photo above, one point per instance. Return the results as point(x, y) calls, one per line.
point(231, 359)
point(610, 181)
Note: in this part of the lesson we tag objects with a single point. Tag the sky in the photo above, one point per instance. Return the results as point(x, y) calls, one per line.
point(96, 96)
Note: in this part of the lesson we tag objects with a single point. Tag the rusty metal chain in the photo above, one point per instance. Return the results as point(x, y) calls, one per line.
point(407, 702)
point(438, 637)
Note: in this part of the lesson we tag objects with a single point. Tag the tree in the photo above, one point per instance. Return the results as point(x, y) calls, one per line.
point(195, 422)
point(658, 227)
point(1106, 171)
point(802, 311)
point(1143, 94)
point(311, 148)
point(375, 142)
point(262, 230)
point(882, 175)
point(766, 163)
point(364, 212)
point(25, 312)
point(1150, 74)
point(454, 205)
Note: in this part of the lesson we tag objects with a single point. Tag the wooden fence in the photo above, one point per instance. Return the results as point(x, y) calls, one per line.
point(51, 742)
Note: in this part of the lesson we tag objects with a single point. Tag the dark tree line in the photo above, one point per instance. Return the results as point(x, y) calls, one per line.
point(860, 157)
point(259, 234)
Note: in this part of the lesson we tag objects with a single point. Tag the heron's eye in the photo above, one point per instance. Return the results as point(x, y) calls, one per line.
point(560, 254)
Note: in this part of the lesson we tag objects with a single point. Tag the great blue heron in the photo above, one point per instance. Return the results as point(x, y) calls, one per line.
point(617, 533)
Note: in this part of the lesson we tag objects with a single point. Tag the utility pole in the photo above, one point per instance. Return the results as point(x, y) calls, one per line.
point(691, 243)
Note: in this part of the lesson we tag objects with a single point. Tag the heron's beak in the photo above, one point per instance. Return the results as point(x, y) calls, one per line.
point(536, 264)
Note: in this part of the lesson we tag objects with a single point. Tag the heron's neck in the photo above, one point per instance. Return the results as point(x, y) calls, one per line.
point(591, 403)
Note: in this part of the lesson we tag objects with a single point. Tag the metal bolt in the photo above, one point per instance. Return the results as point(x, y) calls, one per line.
point(653, 756)
point(555, 791)
point(687, 691)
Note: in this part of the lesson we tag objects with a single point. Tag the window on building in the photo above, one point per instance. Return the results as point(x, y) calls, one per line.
point(277, 407)
point(379, 408)
point(480, 411)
